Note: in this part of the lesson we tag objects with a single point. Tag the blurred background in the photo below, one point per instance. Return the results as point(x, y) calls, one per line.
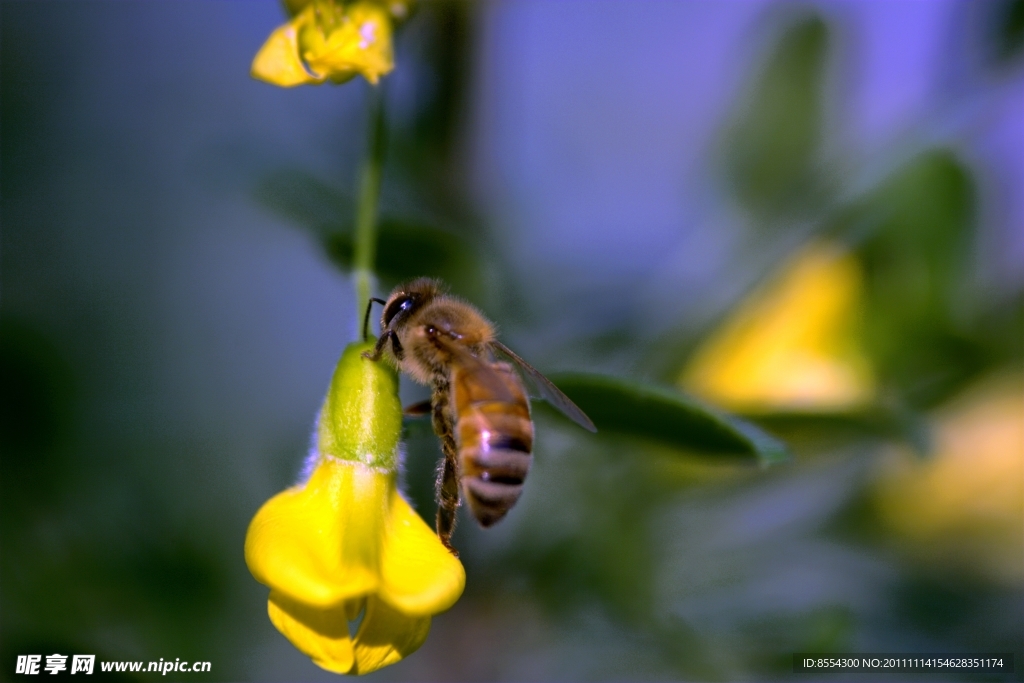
point(809, 214)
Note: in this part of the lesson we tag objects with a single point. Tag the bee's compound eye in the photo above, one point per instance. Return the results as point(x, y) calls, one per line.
point(402, 303)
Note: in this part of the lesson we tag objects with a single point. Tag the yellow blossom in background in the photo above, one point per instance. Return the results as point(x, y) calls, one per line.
point(964, 505)
point(344, 547)
point(792, 344)
point(398, 9)
point(330, 40)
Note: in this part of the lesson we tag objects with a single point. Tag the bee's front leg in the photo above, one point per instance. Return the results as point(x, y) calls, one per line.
point(382, 341)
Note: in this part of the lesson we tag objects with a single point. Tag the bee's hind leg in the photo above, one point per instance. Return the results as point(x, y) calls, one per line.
point(448, 470)
point(447, 501)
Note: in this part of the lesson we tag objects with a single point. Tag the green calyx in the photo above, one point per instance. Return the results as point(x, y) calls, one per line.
point(361, 419)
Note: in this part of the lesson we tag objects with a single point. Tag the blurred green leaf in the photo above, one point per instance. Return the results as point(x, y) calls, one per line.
point(427, 136)
point(1008, 30)
point(666, 415)
point(37, 409)
point(1000, 327)
point(915, 262)
point(919, 251)
point(770, 149)
point(406, 249)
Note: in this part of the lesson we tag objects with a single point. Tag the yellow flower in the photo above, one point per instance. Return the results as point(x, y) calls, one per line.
point(345, 543)
point(791, 345)
point(965, 504)
point(330, 40)
point(398, 9)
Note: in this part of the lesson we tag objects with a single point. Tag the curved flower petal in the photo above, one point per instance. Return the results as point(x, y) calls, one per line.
point(360, 43)
point(791, 345)
point(386, 636)
point(278, 61)
point(965, 505)
point(320, 543)
point(418, 574)
point(322, 635)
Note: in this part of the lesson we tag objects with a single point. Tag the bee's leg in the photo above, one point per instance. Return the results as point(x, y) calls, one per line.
point(448, 470)
point(396, 347)
point(421, 409)
point(447, 501)
point(378, 348)
point(366, 317)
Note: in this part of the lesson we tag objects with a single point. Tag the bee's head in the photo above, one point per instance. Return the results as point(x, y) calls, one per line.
point(406, 299)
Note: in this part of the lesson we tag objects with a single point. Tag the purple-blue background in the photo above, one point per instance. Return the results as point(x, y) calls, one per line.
point(183, 334)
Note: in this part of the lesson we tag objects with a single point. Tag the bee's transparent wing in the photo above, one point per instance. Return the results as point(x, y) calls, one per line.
point(544, 388)
point(481, 374)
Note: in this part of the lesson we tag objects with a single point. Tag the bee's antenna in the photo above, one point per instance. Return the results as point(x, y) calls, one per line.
point(366, 317)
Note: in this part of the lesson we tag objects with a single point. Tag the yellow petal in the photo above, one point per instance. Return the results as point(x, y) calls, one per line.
point(278, 60)
point(419, 575)
point(320, 543)
point(792, 344)
point(323, 635)
point(965, 505)
point(359, 44)
point(386, 636)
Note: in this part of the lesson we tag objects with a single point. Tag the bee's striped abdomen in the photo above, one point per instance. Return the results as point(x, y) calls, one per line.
point(495, 437)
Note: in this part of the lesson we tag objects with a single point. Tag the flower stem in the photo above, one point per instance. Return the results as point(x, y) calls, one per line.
point(365, 238)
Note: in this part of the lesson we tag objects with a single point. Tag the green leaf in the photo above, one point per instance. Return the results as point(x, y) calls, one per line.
point(771, 148)
point(919, 251)
point(668, 416)
point(916, 262)
point(434, 119)
point(1007, 30)
point(407, 249)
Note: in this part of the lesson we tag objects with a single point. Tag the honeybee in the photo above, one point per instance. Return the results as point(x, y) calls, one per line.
point(478, 405)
